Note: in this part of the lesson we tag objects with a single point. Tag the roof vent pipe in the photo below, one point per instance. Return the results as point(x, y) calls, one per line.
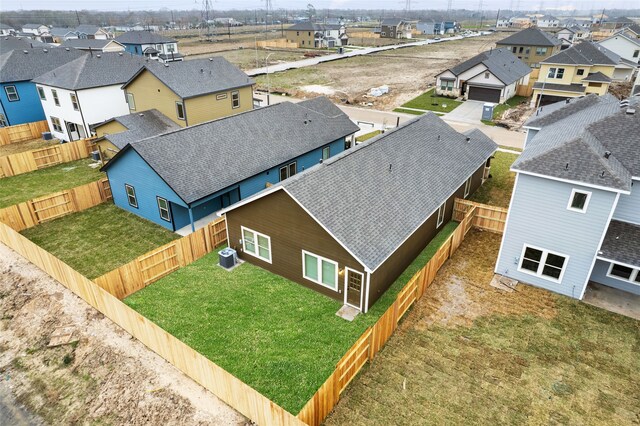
point(607, 154)
point(631, 111)
point(468, 139)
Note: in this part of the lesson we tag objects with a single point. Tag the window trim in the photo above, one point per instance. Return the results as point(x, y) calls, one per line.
point(467, 187)
point(635, 273)
point(135, 197)
point(543, 261)
point(442, 210)
point(328, 149)
point(160, 209)
point(58, 125)
point(74, 104)
point(56, 99)
point(255, 235)
point(235, 99)
point(131, 101)
point(320, 276)
point(41, 93)
point(184, 113)
point(287, 167)
point(586, 203)
point(15, 93)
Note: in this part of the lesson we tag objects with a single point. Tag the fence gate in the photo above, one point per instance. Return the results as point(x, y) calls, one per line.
point(106, 189)
point(46, 157)
point(52, 207)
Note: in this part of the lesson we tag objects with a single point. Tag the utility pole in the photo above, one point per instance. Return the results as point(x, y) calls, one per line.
point(78, 17)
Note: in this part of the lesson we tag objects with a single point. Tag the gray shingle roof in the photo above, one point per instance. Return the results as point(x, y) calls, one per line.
point(16, 65)
point(9, 43)
point(95, 70)
point(199, 76)
point(574, 87)
point(530, 37)
point(55, 31)
point(200, 160)
point(380, 207)
point(574, 138)
point(142, 37)
point(392, 22)
point(87, 29)
point(85, 43)
point(311, 26)
point(500, 62)
point(621, 243)
point(140, 125)
point(584, 53)
point(33, 26)
point(597, 77)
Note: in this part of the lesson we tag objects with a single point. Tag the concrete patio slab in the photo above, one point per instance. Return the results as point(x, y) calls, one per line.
point(614, 300)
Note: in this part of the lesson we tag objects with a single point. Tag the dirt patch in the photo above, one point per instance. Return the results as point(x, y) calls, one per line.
point(621, 89)
point(102, 376)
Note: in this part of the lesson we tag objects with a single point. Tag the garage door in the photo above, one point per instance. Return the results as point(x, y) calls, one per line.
point(484, 94)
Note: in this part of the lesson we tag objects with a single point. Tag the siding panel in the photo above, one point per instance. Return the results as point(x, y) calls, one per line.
point(599, 275)
point(628, 209)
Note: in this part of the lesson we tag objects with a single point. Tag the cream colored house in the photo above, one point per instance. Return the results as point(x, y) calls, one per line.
point(580, 70)
point(191, 92)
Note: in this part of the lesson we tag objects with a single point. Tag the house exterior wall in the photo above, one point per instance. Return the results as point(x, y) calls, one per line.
point(301, 38)
point(149, 92)
point(291, 230)
point(64, 112)
point(25, 110)
point(529, 55)
point(599, 275)
point(386, 274)
point(109, 128)
point(538, 216)
point(623, 47)
point(102, 103)
point(628, 208)
point(209, 107)
point(133, 170)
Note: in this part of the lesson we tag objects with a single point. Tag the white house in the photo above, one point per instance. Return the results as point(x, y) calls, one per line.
point(547, 21)
point(624, 46)
point(573, 33)
point(92, 32)
point(35, 29)
point(491, 76)
point(502, 22)
point(85, 92)
point(6, 30)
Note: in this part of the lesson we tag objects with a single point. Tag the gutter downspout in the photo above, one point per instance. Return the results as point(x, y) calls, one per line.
point(193, 225)
point(87, 132)
point(366, 293)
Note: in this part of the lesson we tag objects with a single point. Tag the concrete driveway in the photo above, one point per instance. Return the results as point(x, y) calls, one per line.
point(468, 112)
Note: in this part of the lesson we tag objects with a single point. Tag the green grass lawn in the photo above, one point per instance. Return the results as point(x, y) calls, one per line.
point(16, 189)
point(368, 136)
point(426, 101)
point(100, 239)
point(497, 190)
point(279, 337)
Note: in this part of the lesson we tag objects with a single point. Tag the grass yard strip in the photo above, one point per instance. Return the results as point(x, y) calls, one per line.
point(15, 148)
point(497, 190)
point(277, 336)
point(100, 239)
point(469, 354)
point(368, 136)
point(16, 189)
point(427, 100)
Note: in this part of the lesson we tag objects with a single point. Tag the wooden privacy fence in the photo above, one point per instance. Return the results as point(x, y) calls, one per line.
point(24, 162)
point(23, 132)
point(221, 383)
point(152, 266)
point(374, 338)
point(33, 212)
point(487, 217)
point(279, 44)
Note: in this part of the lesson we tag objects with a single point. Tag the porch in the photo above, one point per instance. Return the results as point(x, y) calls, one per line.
point(612, 299)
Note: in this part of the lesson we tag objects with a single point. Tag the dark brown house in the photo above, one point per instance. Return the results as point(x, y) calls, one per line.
point(348, 227)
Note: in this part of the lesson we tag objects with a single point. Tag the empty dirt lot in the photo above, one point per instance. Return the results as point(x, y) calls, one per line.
point(102, 376)
point(470, 354)
point(408, 72)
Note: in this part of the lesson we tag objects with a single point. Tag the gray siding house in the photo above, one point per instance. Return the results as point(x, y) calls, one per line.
point(574, 216)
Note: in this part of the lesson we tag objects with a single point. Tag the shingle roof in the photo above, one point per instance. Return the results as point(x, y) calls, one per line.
point(140, 125)
point(584, 53)
point(621, 243)
point(33, 26)
point(142, 37)
point(5, 27)
point(9, 43)
point(500, 62)
point(94, 70)
point(200, 160)
point(87, 29)
point(597, 77)
point(199, 76)
point(16, 65)
point(396, 181)
point(574, 138)
point(311, 26)
point(55, 31)
point(392, 22)
point(635, 28)
point(574, 87)
point(86, 43)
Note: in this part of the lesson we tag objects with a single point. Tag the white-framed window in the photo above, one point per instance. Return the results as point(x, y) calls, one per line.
point(41, 93)
point(320, 270)
point(441, 211)
point(131, 195)
point(326, 153)
point(624, 273)
point(446, 85)
point(163, 208)
point(467, 187)
point(171, 47)
point(54, 93)
point(556, 73)
point(288, 171)
point(579, 201)
point(159, 48)
point(580, 71)
point(180, 110)
point(131, 101)
point(256, 244)
point(543, 263)
point(12, 93)
point(55, 123)
point(74, 101)
point(235, 99)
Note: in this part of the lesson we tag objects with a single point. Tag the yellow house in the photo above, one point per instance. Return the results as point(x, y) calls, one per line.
point(191, 92)
point(580, 70)
point(115, 133)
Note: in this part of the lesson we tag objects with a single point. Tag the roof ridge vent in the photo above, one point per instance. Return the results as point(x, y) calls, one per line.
point(624, 103)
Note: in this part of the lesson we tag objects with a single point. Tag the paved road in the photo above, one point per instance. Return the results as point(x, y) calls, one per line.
point(372, 119)
point(337, 56)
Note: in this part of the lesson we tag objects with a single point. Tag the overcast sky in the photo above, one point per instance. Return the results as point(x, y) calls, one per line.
point(319, 4)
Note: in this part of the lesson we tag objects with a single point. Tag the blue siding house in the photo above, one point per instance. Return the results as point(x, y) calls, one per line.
point(574, 219)
point(180, 178)
point(19, 99)
point(151, 45)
